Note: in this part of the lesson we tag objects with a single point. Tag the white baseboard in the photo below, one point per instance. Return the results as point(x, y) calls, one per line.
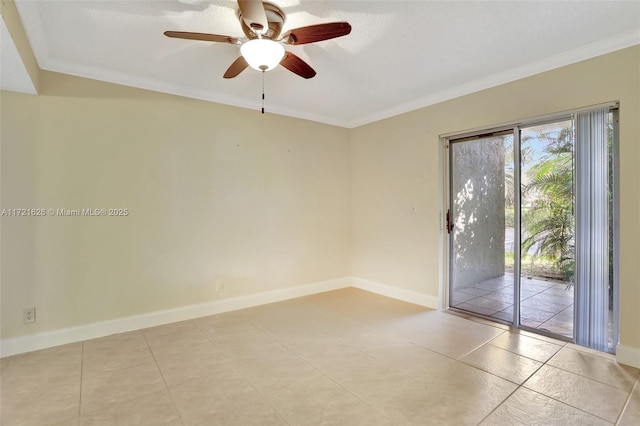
point(33, 342)
point(624, 354)
point(396, 293)
point(628, 356)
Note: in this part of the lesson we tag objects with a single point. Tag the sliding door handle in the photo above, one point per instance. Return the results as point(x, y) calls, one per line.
point(450, 224)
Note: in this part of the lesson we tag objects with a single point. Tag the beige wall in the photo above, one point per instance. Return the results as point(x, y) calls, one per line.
point(211, 199)
point(260, 202)
point(396, 164)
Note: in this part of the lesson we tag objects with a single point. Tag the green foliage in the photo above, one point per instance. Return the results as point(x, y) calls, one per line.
point(548, 225)
point(548, 221)
point(508, 217)
point(530, 264)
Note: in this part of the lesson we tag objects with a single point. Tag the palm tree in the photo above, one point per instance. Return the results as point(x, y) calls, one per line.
point(509, 193)
point(548, 225)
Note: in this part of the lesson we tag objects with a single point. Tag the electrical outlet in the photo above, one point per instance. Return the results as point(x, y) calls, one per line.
point(29, 315)
point(219, 286)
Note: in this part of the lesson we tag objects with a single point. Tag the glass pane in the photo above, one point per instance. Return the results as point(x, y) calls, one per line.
point(482, 219)
point(613, 332)
point(548, 227)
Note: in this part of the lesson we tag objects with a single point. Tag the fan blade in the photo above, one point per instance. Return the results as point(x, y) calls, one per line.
point(297, 65)
point(254, 15)
point(202, 37)
point(236, 68)
point(314, 33)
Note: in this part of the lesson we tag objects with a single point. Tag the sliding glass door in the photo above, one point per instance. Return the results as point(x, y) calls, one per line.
point(547, 227)
point(480, 222)
point(521, 199)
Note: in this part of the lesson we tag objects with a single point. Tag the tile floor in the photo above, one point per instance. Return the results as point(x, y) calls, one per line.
point(345, 357)
point(545, 305)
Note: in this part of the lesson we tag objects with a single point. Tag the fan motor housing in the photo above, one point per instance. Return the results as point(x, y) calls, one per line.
point(275, 17)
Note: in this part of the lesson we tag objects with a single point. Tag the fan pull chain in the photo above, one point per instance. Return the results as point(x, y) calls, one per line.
point(263, 92)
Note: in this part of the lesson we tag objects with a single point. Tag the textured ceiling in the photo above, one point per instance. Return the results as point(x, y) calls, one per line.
point(399, 56)
point(13, 74)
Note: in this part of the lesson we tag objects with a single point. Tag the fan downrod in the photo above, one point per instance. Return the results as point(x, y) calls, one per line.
point(276, 18)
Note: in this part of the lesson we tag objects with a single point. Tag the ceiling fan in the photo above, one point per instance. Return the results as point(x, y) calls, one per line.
point(263, 49)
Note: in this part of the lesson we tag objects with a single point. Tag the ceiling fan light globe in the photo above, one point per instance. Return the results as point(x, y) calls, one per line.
point(262, 54)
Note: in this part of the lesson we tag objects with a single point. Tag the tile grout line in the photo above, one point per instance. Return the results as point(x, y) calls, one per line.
point(362, 351)
point(537, 293)
point(635, 386)
point(404, 338)
point(546, 363)
point(518, 386)
point(81, 380)
point(481, 345)
point(242, 373)
point(153, 355)
point(379, 332)
point(499, 405)
point(354, 395)
point(491, 318)
point(580, 375)
point(564, 403)
point(506, 350)
point(119, 404)
point(524, 356)
point(522, 385)
point(253, 385)
point(255, 388)
point(563, 346)
point(323, 373)
point(408, 339)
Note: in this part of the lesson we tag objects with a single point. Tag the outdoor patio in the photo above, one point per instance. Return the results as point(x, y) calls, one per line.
point(545, 305)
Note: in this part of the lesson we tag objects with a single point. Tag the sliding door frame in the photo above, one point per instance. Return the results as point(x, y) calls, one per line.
point(447, 203)
point(517, 222)
point(448, 211)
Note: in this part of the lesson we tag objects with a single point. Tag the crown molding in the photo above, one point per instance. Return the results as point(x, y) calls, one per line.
point(33, 26)
point(553, 62)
